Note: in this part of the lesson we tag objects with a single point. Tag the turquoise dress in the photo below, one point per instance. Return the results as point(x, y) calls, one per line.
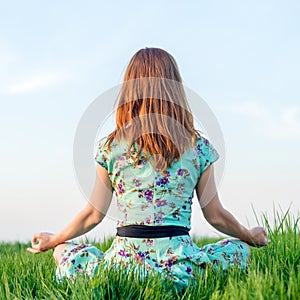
point(149, 197)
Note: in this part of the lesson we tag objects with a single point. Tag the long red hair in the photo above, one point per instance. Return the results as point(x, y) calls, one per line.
point(152, 108)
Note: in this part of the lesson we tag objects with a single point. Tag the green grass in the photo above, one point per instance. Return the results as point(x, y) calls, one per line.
point(273, 274)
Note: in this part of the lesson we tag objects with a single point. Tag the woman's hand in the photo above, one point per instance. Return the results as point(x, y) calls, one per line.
point(42, 242)
point(258, 237)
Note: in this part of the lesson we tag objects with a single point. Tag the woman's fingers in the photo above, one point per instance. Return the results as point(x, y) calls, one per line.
point(267, 241)
point(259, 237)
point(36, 243)
point(35, 238)
point(41, 242)
point(34, 251)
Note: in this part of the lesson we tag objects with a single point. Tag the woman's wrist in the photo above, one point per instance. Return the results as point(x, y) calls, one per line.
point(246, 235)
point(58, 239)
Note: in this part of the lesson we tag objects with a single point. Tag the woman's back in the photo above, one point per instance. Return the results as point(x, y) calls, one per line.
point(149, 197)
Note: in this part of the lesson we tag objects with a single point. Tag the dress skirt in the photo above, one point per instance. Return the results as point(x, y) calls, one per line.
point(177, 257)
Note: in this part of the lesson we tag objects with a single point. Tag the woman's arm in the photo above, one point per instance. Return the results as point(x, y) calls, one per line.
point(219, 217)
point(92, 214)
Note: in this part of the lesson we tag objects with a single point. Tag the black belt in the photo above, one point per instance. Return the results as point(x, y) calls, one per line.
point(145, 231)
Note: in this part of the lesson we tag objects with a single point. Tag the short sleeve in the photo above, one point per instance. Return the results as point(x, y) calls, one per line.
point(207, 154)
point(102, 154)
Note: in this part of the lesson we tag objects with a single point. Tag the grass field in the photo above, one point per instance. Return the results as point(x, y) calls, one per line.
point(273, 274)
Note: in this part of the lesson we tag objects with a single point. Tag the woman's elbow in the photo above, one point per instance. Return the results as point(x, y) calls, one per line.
point(97, 217)
point(215, 219)
point(93, 215)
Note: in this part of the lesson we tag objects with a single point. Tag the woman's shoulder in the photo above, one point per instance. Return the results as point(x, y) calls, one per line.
point(204, 147)
point(201, 139)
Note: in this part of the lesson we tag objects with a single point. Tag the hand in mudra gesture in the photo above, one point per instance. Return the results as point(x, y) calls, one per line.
point(42, 242)
point(258, 237)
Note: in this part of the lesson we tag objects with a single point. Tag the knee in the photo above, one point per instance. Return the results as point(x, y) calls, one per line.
point(248, 250)
point(58, 251)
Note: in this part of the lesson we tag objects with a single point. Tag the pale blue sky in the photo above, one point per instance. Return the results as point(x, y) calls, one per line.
point(57, 57)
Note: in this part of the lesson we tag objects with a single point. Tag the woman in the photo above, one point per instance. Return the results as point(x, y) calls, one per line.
point(153, 161)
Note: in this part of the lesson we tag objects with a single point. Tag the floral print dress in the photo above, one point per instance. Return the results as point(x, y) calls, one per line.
point(153, 198)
